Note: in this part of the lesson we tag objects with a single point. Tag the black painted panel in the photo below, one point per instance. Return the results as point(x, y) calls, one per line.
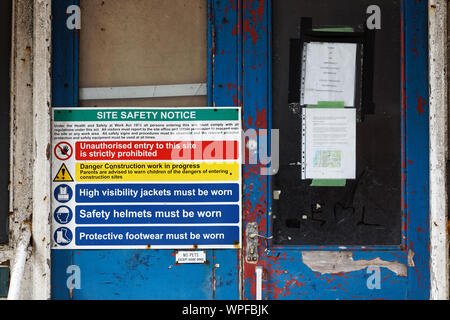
point(367, 211)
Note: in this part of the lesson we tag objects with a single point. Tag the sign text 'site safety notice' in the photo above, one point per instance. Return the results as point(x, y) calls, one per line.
point(146, 178)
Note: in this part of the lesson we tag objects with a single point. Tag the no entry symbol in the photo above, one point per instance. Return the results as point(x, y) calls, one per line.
point(63, 151)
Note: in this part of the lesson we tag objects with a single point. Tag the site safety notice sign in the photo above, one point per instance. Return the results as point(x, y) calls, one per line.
point(146, 178)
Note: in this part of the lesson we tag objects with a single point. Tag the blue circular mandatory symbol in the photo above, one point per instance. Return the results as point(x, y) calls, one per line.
point(63, 215)
point(63, 193)
point(63, 236)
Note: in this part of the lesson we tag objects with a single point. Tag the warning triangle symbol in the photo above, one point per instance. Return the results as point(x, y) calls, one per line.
point(63, 175)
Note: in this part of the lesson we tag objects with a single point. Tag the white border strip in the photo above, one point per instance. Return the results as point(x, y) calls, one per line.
point(137, 92)
point(437, 15)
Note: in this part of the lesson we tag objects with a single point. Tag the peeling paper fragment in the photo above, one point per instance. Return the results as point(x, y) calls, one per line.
point(411, 258)
point(341, 262)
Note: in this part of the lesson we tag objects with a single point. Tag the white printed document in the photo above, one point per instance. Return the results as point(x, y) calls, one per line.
point(328, 143)
point(328, 73)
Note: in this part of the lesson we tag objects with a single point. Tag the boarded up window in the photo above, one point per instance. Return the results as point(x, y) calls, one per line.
point(143, 43)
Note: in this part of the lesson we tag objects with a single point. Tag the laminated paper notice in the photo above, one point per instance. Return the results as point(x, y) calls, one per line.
point(147, 178)
point(328, 73)
point(328, 143)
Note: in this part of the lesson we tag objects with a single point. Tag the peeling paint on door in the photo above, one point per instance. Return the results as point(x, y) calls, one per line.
point(337, 262)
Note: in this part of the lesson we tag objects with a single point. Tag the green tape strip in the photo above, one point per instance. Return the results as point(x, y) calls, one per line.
point(4, 281)
point(328, 104)
point(328, 182)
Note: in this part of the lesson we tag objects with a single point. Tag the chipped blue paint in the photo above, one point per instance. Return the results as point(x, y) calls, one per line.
point(64, 57)
point(139, 274)
point(304, 284)
point(287, 277)
point(256, 105)
point(239, 73)
point(224, 81)
point(417, 146)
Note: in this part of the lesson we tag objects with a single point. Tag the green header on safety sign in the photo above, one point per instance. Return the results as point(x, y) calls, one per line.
point(146, 114)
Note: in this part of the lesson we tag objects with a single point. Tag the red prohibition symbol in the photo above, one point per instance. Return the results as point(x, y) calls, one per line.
point(63, 151)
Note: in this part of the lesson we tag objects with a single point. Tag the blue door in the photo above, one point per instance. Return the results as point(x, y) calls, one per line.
point(297, 254)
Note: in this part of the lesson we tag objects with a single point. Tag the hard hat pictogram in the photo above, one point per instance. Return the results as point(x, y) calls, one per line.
point(63, 215)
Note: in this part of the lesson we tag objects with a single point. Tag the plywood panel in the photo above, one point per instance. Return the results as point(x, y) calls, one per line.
point(142, 42)
point(199, 101)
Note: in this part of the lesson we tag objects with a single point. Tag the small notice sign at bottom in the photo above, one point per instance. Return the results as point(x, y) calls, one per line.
point(190, 257)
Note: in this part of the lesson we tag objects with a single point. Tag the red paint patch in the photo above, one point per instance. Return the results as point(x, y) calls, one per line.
point(421, 102)
point(237, 102)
